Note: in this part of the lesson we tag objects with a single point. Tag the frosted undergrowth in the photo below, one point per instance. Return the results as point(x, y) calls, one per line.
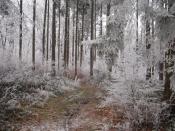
point(24, 86)
point(37, 81)
point(54, 126)
point(141, 102)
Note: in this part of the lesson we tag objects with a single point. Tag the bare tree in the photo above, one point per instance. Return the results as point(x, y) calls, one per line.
point(59, 31)
point(53, 37)
point(95, 27)
point(108, 54)
point(33, 40)
point(82, 36)
point(68, 26)
point(101, 21)
point(137, 24)
point(92, 37)
point(44, 31)
point(76, 41)
point(148, 44)
point(73, 36)
point(48, 21)
point(66, 39)
point(20, 30)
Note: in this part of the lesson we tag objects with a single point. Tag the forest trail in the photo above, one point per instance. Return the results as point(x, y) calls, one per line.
point(87, 65)
point(75, 110)
point(87, 107)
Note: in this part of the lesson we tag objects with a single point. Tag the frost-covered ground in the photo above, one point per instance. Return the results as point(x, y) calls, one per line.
point(46, 126)
point(21, 89)
point(127, 106)
point(38, 102)
point(142, 103)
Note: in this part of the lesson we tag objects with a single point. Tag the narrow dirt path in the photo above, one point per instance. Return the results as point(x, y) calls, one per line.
point(75, 110)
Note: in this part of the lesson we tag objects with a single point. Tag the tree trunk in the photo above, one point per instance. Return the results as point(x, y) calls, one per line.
point(76, 42)
point(148, 44)
point(65, 35)
point(153, 37)
point(48, 21)
point(161, 63)
point(101, 21)
point(167, 90)
point(20, 30)
point(78, 45)
point(82, 38)
point(161, 67)
point(66, 40)
point(92, 37)
point(169, 61)
point(53, 37)
point(95, 19)
point(68, 26)
point(95, 28)
point(44, 31)
point(59, 29)
point(169, 64)
point(108, 14)
point(137, 25)
point(73, 37)
point(109, 66)
point(33, 41)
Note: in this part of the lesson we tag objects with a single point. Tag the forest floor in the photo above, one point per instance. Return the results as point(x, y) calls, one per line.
point(87, 105)
point(77, 110)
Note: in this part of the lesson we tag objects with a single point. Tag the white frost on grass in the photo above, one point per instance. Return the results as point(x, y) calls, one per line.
point(46, 126)
point(117, 93)
point(140, 100)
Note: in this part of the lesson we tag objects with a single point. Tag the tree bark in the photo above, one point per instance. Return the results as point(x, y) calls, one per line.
point(66, 40)
point(108, 14)
point(68, 26)
point(108, 55)
point(48, 23)
point(168, 74)
point(169, 60)
point(153, 37)
point(95, 28)
point(161, 67)
point(101, 21)
point(95, 19)
point(59, 32)
point(137, 25)
point(148, 44)
point(92, 37)
point(44, 31)
point(20, 30)
point(33, 41)
point(53, 37)
point(73, 37)
point(65, 36)
point(76, 41)
point(82, 37)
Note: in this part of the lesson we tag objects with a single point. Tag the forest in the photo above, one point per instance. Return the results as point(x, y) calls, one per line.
point(87, 65)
